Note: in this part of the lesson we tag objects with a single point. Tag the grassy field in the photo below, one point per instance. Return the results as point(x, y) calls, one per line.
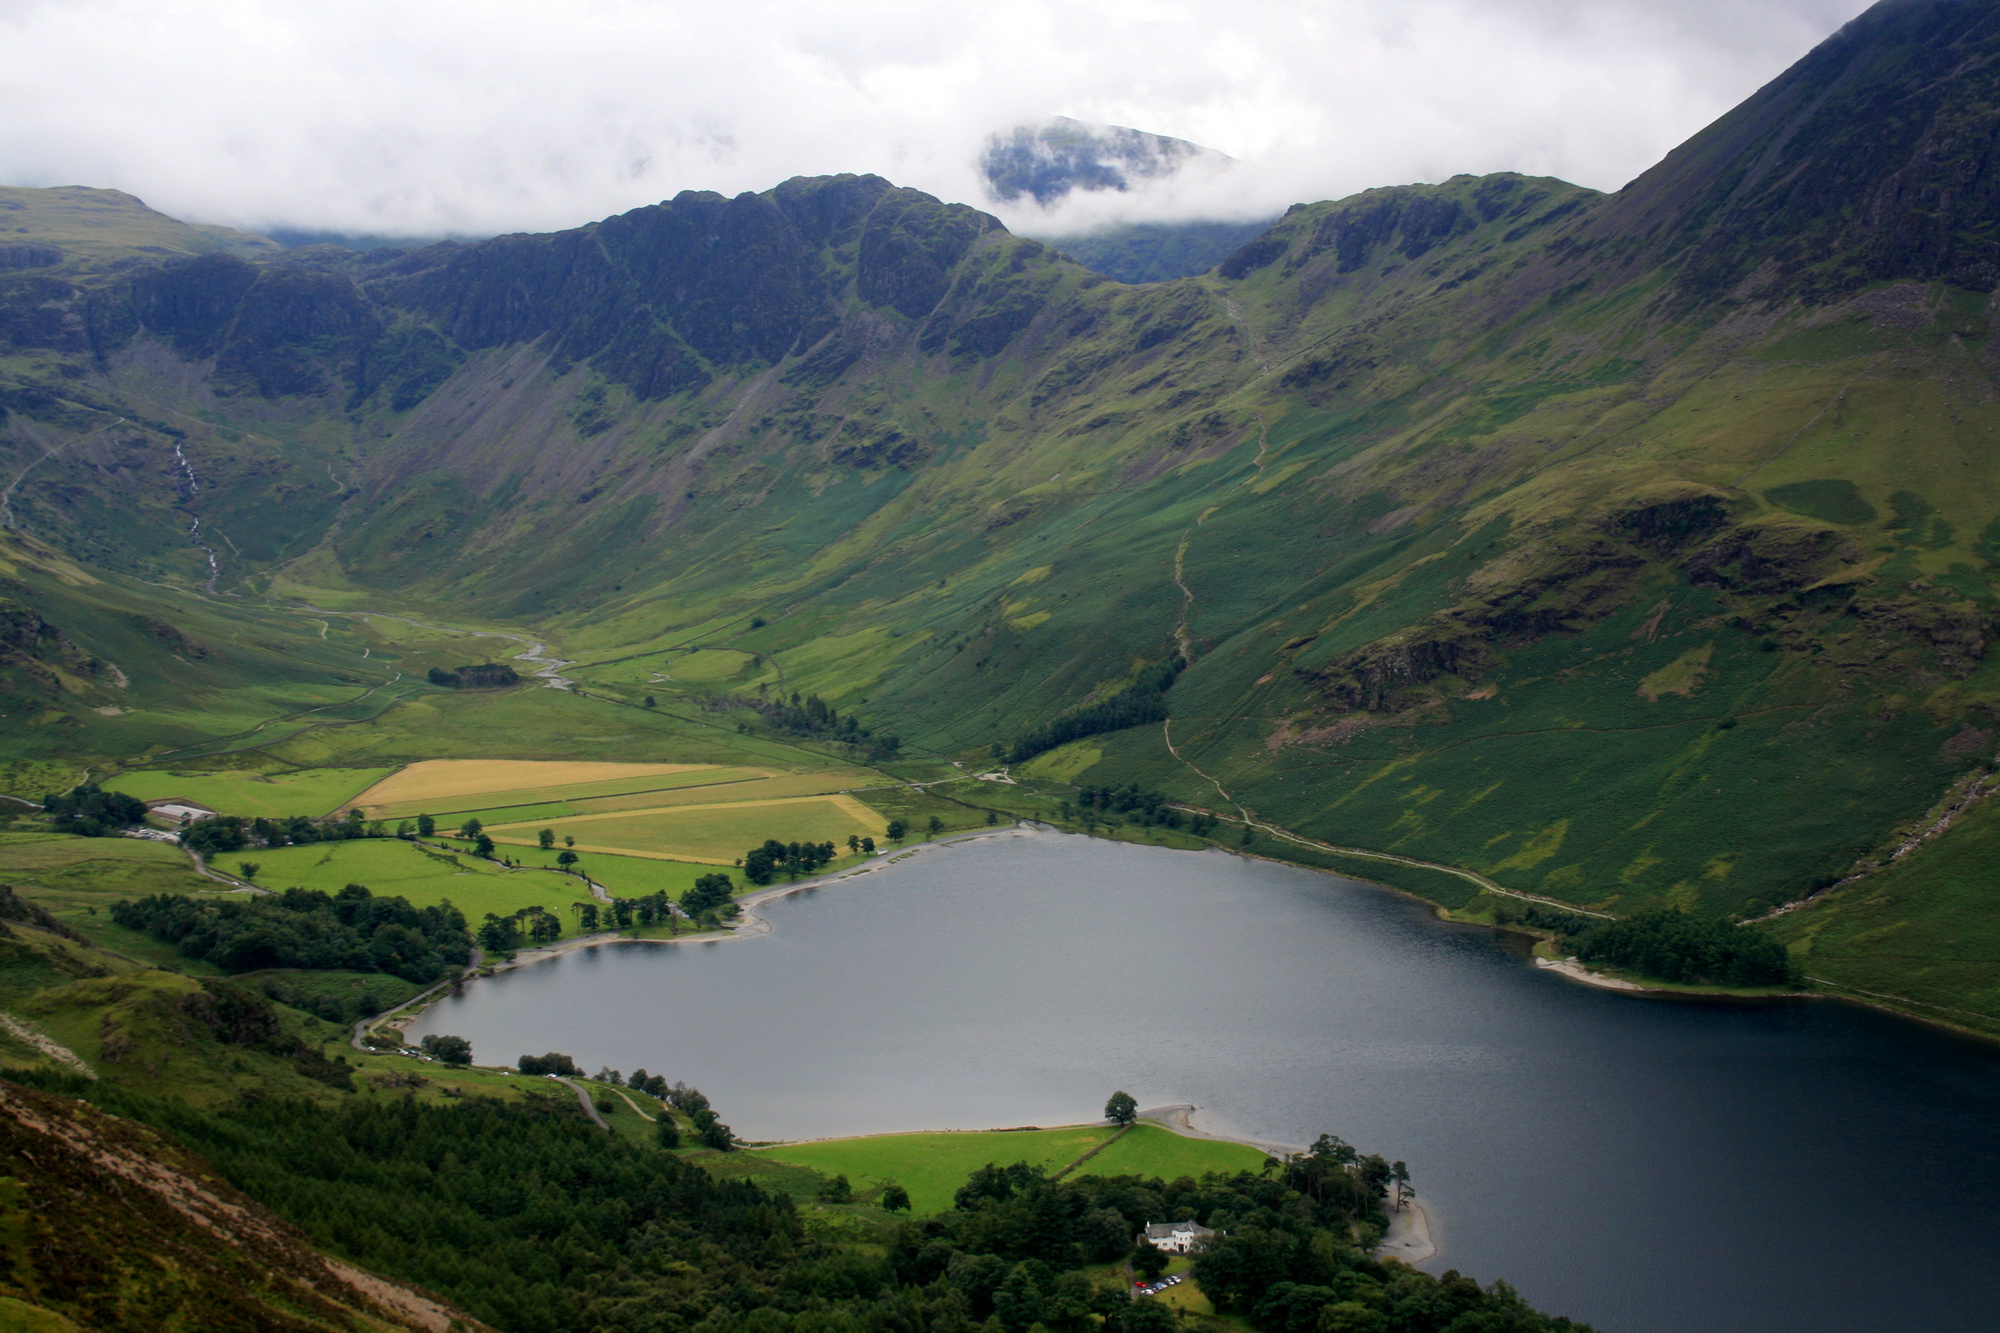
point(932, 1166)
point(720, 790)
point(96, 869)
point(392, 867)
point(439, 785)
point(623, 876)
point(717, 834)
point(316, 791)
point(1149, 1150)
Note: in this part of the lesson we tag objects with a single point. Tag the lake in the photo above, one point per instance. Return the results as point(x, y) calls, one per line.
point(1649, 1165)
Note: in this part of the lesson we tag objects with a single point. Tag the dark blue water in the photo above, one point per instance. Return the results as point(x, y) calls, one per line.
point(1648, 1165)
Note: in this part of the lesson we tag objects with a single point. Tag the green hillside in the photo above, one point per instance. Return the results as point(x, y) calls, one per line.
point(1629, 550)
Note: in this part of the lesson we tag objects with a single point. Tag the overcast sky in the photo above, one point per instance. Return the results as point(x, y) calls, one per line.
point(477, 116)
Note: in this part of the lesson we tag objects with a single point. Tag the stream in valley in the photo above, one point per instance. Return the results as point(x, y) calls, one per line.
point(1650, 1165)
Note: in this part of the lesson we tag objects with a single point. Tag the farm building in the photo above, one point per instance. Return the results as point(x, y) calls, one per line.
point(1176, 1237)
point(181, 812)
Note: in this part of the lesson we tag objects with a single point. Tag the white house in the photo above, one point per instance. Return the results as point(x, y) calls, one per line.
point(1176, 1237)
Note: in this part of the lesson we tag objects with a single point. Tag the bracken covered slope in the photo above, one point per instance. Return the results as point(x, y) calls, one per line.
point(1630, 550)
point(110, 1226)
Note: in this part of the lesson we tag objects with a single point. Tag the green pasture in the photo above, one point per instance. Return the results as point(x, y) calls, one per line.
point(719, 791)
point(932, 1166)
point(622, 876)
point(392, 867)
point(960, 806)
point(716, 833)
point(317, 791)
point(512, 814)
point(1149, 1150)
point(95, 869)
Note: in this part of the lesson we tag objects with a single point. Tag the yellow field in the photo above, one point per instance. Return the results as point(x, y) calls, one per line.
point(716, 834)
point(725, 793)
point(499, 782)
point(648, 788)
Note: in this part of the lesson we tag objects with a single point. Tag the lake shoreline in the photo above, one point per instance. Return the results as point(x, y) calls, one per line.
point(749, 925)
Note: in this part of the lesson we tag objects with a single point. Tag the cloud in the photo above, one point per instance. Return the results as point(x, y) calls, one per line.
point(479, 116)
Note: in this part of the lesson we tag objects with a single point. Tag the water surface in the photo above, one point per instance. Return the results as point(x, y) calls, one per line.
point(1651, 1166)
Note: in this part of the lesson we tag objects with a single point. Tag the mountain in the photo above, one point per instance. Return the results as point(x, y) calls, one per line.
point(1626, 550)
point(77, 226)
point(1049, 162)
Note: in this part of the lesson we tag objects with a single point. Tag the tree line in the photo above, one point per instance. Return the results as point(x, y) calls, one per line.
point(1148, 808)
point(816, 719)
point(353, 931)
point(1681, 947)
point(233, 833)
point(91, 812)
point(1666, 945)
point(762, 863)
point(1143, 701)
point(479, 676)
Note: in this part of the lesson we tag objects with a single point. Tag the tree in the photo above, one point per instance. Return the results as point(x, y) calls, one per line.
point(992, 817)
point(665, 1132)
point(569, 841)
point(896, 830)
point(1121, 1109)
point(895, 1198)
point(470, 829)
point(483, 847)
point(426, 826)
point(711, 893)
point(248, 869)
point(868, 846)
point(853, 844)
point(566, 858)
point(448, 1049)
point(936, 826)
point(649, 701)
point(547, 838)
point(1145, 1317)
point(837, 1190)
point(1401, 1175)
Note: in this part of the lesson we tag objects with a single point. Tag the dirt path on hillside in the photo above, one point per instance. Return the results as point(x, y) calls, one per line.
point(1471, 876)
